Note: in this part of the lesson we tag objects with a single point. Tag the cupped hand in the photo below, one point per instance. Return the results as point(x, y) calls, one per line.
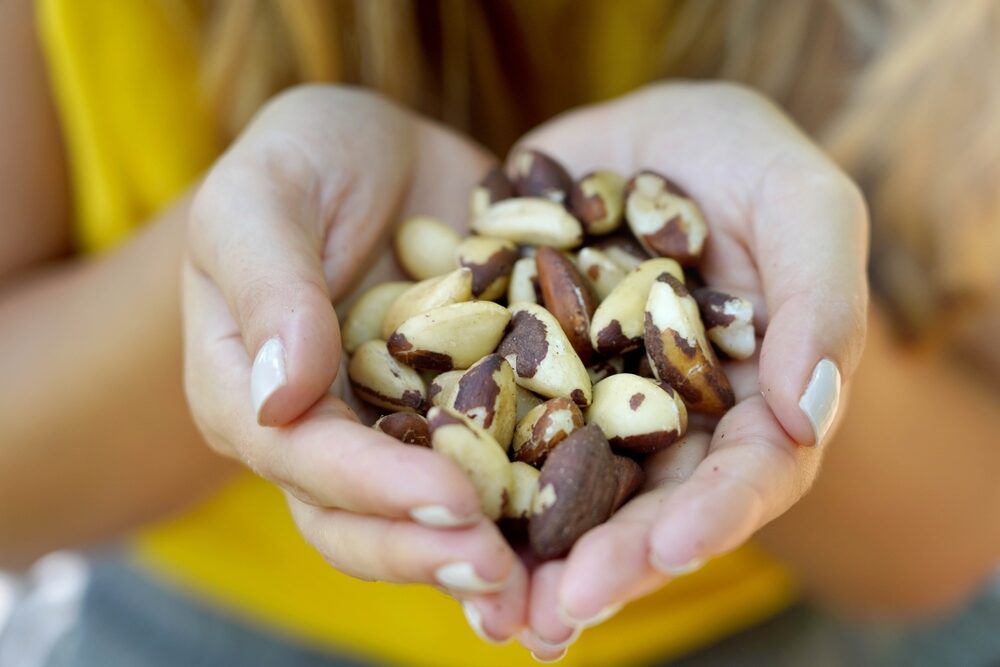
point(285, 225)
point(788, 230)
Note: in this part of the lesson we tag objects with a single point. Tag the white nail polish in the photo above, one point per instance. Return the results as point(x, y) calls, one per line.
point(549, 661)
point(676, 570)
point(598, 618)
point(475, 620)
point(462, 576)
point(268, 374)
point(438, 516)
point(821, 398)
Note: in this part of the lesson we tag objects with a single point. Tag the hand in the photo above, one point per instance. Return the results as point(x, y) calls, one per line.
point(288, 220)
point(789, 231)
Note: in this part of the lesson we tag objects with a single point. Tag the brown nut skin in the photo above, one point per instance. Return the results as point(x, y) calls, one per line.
point(491, 262)
point(440, 388)
point(665, 220)
point(630, 477)
point(493, 188)
point(543, 428)
point(597, 200)
point(539, 175)
point(576, 491)
point(600, 369)
point(728, 321)
point(487, 394)
point(378, 379)
point(408, 428)
point(601, 271)
point(679, 351)
point(623, 251)
point(568, 296)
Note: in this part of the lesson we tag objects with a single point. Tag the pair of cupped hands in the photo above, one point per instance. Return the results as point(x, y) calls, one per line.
point(297, 216)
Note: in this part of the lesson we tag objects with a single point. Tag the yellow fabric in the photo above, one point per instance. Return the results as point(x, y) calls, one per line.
point(124, 77)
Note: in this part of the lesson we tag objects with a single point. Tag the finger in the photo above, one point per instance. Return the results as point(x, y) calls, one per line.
point(753, 473)
point(497, 617)
point(548, 636)
point(328, 459)
point(471, 560)
point(591, 592)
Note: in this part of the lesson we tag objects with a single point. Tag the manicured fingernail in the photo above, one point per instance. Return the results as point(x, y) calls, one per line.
point(438, 516)
point(596, 619)
point(549, 661)
point(475, 619)
point(268, 374)
point(462, 576)
point(560, 646)
point(675, 569)
point(821, 397)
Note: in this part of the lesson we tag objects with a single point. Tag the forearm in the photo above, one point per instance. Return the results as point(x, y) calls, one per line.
point(95, 435)
point(901, 518)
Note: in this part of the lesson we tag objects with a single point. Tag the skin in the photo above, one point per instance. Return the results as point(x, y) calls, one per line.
point(319, 195)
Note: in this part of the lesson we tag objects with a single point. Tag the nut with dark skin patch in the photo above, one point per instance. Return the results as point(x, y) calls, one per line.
point(630, 477)
point(530, 220)
point(602, 368)
point(379, 379)
point(576, 491)
point(543, 428)
point(440, 388)
point(679, 351)
point(453, 336)
point(623, 251)
point(728, 321)
point(486, 394)
point(617, 325)
point(490, 261)
point(664, 218)
point(601, 271)
point(568, 297)
point(598, 201)
point(493, 188)
point(477, 453)
point(539, 175)
point(636, 415)
point(543, 359)
point(407, 427)
point(453, 287)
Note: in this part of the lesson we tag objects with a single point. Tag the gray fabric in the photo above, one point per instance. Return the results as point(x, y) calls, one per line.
point(131, 620)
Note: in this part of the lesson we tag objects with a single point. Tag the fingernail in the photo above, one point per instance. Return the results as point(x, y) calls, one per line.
point(268, 374)
point(559, 646)
point(549, 661)
point(598, 618)
point(821, 397)
point(675, 570)
point(475, 619)
point(438, 516)
point(462, 576)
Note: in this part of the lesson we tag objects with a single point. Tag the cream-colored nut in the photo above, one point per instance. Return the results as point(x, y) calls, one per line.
point(532, 221)
point(490, 261)
point(623, 251)
point(379, 379)
point(664, 218)
point(598, 201)
point(603, 368)
point(618, 323)
point(603, 273)
point(493, 188)
point(679, 351)
point(543, 428)
point(728, 321)
point(526, 402)
point(440, 389)
point(453, 287)
point(523, 286)
point(364, 320)
point(542, 357)
point(424, 246)
point(407, 427)
point(477, 453)
point(453, 336)
point(636, 414)
point(539, 175)
point(487, 394)
point(524, 486)
point(567, 295)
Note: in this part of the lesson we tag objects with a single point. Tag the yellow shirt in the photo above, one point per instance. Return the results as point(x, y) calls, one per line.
point(124, 76)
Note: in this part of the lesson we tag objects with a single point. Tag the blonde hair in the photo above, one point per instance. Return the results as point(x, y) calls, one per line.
point(900, 92)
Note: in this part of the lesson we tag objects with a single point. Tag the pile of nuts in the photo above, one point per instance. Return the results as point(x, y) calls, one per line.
point(594, 362)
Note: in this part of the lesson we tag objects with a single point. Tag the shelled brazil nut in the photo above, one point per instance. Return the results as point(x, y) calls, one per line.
point(553, 349)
